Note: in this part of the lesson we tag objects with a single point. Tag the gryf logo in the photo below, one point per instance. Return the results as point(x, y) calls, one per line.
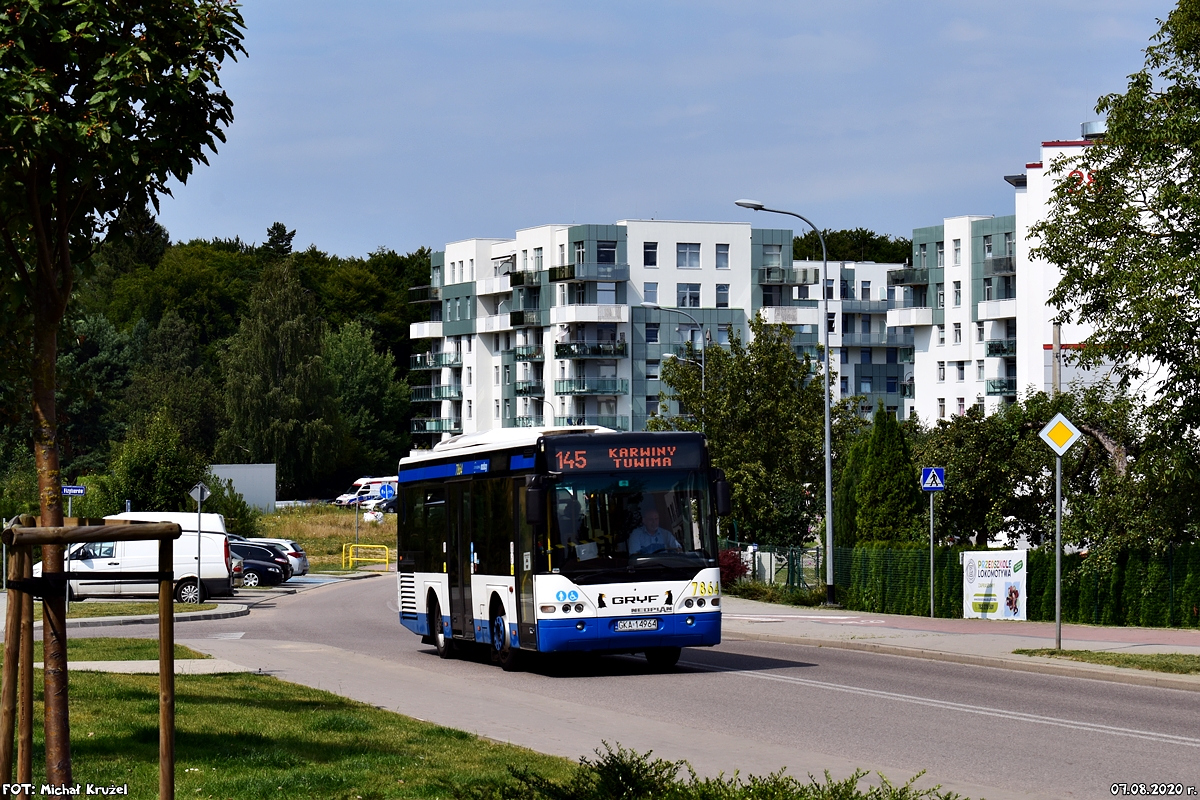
point(633, 599)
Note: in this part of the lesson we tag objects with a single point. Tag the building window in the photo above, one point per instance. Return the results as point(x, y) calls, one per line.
point(962, 371)
point(524, 260)
point(468, 409)
point(496, 409)
point(606, 294)
point(866, 324)
point(957, 252)
point(772, 255)
point(941, 335)
point(941, 296)
point(650, 292)
point(987, 246)
point(650, 254)
point(652, 406)
point(507, 374)
point(845, 355)
point(864, 355)
point(562, 254)
point(987, 288)
point(772, 295)
point(958, 333)
point(979, 370)
point(864, 384)
point(941, 254)
point(1009, 245)
point(468, 376)
point(962, 406)
point(865, 290)
point(651, 333)
point(924, 254)
point(687, 255)
point(941, 408)
point(722, 295)
point(537, 258)
point(722, 256)
point(941, 371)
point(652, 370)
point(845, 386)
point(687, 295)
point(723, 334)
point(979, 331)
point(830, 322)
point(801, 292)
point(496, 376)
point(606, 252)
point(508, 409)
point(892, 384)
point(957, 294)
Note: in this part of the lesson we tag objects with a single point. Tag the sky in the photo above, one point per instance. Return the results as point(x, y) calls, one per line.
point(386, 123)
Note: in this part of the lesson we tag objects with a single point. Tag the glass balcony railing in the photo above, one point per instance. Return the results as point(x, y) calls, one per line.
point(446, 391)
point(435, 360)
point(892, 338)
point(1001, 386)
point(802, 276)
point(616, 423)
point(528, 318)
point(528, 422)
point(531, 388)
point(590, 271)
point(1002, 265)
point(524, 278)
point(437, 425)
point(1001, 347)
point(529, 352)
point(610, 386)
point(591, 350)
point(908, 277)
point(424, 294)
point(864, 306)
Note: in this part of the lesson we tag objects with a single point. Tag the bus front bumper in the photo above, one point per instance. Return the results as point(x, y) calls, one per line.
point(600, 633)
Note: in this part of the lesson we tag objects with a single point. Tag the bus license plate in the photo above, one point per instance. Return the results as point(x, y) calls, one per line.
point(637, 625)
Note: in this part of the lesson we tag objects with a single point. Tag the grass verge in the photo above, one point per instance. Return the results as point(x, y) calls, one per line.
point(112, 648)
point(1176, 663)
point(322, 530)
point(83, 610)
point(775, 593)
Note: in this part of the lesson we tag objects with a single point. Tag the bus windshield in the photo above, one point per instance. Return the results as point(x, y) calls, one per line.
point(623, 526)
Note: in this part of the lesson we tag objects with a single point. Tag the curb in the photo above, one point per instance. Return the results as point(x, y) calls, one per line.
point(228, 612)
point(1134, 678)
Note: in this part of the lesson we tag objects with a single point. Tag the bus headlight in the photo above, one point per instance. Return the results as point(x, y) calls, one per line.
point(579, 608)
point(716, 601)
point(700, 602)
point(566, 608)
point(688, 603)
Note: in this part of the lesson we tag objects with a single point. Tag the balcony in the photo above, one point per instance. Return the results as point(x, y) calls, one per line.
point(884, 339)
point(529, 318)
point(908, 277)
point(494, 323)
point(1001, 347)
point(437, 391)
point(603, 421)
point(528, 422)
point(529, 352)
point(497, 285)
point(437, 425)
point(909, 317)
point(998, 309)
point(425, 330)
point(591, 350)
point(434, 360)
point(531, 388)
point(792, 315)
point(1004, 265)
point(1001, 386)
point(864, 306)
point(604, 386)
point(425, 294)
point(589, 271)
point(589, 313)
point(525, 278)
point(805, 276)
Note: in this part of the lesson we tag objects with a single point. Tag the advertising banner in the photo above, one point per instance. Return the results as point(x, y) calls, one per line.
point(994, 585)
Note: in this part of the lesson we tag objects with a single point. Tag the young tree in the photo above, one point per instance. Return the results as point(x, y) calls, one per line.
point(845, 496)
point(888, 494)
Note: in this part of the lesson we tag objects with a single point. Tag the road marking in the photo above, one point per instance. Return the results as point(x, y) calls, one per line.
point(1152, 736)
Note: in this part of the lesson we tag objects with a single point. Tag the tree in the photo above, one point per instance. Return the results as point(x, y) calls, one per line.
point(279, 242)
point(888, 494)
point(1123, 221)
point(858, 244)
point(153, 470)
point(279, 395)
point(845, 496)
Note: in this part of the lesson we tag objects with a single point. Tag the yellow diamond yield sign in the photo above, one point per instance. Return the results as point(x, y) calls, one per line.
point(1060, 434)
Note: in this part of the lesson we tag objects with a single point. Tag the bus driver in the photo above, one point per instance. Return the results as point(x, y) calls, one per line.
point(649, 538)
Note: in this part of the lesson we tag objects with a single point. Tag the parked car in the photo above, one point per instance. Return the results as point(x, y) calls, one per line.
point(270, 553)
point(292, 549)
point(237, 567)
point(388, 506)
point(259, 567)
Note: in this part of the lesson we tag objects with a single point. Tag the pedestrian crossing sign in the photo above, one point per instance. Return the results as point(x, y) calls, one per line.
point(933, 479)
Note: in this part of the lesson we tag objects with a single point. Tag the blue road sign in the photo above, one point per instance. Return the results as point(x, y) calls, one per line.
point(74, 491)
point(933, 479)
point(387, 491)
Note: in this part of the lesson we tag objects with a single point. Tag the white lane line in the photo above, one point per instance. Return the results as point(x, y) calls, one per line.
point(1152, 736)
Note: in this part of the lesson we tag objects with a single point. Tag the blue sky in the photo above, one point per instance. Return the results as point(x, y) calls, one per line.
point(372, 123)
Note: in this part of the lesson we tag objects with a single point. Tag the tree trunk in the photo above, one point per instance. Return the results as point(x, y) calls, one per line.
point(45, 453)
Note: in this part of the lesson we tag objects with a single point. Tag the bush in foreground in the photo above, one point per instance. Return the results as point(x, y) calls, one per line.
point(623, 774)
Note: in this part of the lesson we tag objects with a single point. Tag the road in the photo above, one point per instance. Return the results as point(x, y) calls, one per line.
point(745, 705)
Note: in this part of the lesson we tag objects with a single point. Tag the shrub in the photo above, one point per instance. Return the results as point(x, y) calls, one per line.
point(733, 569)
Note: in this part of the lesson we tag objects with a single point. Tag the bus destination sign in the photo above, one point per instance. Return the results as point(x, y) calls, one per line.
point(602, 457)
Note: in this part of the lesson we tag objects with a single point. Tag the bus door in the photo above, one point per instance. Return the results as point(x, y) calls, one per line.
point(460, 559)
point(525, 565)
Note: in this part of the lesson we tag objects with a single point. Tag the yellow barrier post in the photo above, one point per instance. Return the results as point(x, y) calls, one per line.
point(350, 555)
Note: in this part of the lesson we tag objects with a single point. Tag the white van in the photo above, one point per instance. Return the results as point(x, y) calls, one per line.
point(94, 559)
point(365, 489)
point(351, 495)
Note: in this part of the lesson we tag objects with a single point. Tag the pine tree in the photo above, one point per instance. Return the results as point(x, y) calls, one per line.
point(888, 494)
point(845, 499)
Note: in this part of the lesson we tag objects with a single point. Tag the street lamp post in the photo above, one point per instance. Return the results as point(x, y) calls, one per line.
point(754, 205)
point(701, 327)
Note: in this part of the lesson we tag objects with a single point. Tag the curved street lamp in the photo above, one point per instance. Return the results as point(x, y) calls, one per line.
point(754, 205)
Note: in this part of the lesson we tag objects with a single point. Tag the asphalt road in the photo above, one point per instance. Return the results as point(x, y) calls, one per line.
point(753, 706)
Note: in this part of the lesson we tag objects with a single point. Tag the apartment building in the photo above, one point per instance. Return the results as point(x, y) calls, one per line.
point(571, 324)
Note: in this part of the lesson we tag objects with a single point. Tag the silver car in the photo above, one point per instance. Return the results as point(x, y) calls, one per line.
point(295, 553)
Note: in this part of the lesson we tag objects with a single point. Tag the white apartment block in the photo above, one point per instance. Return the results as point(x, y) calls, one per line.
point(552, 326)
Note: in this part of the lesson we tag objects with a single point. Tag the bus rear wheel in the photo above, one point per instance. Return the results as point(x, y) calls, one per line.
point(503, 651)
point(662, 659)
point(441, 642)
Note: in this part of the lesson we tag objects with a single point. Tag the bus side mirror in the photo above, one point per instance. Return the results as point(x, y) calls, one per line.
point(535, 505)
point(721, 495)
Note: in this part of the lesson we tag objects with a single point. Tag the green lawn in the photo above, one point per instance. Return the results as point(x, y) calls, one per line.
point(80, 610)
point(1177, 663)
point(111, 649)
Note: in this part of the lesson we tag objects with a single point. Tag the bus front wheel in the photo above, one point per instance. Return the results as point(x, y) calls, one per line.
point(662, 659)
point(442, 643)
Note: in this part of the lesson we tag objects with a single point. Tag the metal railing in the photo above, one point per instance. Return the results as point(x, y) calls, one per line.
point(529, 352)
point(604, 421)
point(592, 386)
point(1001, 386)
point(528, 422)
point(590, 271)
point(435, 360)
point(1001, 347)
point(436, 425)
point(437, 391)
point(530, 388)
point(350, 555)
point(591, 350)
point(908, 277)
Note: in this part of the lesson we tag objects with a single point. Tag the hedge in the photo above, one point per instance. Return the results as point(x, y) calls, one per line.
point(1134, 588)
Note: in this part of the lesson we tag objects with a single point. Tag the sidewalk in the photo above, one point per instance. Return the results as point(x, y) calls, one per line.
point(965, 641)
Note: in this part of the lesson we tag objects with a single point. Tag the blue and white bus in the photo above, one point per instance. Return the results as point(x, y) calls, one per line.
point(531, 540)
